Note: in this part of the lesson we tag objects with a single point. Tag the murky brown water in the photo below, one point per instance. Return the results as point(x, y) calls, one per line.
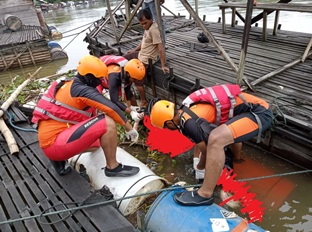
point(288, 199)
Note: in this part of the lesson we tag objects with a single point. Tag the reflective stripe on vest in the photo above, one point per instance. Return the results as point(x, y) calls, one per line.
point(48, 107)
point(111, 59)
point(215, 96)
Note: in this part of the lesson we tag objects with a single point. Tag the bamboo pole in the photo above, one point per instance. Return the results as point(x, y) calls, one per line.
point(112, 19)
point(9, 138)
point(128, 23)
point(279, 70)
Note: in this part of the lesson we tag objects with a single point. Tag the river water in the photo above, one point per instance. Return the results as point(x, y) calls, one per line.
point(287, 199)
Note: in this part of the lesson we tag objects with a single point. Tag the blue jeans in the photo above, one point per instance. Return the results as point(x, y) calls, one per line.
point(152, 8)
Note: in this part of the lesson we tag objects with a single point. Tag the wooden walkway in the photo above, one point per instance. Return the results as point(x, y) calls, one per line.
point(289, 91)
point(29, 186)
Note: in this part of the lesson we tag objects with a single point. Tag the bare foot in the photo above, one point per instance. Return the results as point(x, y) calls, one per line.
point(255, 2)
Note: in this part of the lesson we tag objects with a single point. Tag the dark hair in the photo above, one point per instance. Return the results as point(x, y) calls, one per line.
point(144, 13)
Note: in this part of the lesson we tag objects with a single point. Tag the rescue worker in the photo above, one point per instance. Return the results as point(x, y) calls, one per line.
point(68, 123)
point(241, 116)
point(120, 84)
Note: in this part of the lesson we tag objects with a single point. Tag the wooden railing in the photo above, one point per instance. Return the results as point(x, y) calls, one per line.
point(266, 7)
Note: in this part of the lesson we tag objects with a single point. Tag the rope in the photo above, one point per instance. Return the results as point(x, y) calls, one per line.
point(134, 196)
point(19, 128)
point(276, 175)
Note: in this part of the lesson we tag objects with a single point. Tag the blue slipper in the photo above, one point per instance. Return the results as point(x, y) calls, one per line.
point(192, 198)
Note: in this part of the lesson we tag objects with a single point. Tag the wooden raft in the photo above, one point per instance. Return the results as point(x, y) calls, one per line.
point(195, 65)
point(29, 186)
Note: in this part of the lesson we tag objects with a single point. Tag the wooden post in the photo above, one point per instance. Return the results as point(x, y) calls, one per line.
point(247, 26)
point(276, 22)
point(112, 19)
point(107, 19)
point(152, 73)
point(212, 39)
point(138, 5)
point(159, 22)
point(237, 13)
point(265, 25)
point(223, 21)
point(127, 8)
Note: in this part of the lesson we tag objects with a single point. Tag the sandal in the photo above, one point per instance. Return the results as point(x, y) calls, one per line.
point(192, 198)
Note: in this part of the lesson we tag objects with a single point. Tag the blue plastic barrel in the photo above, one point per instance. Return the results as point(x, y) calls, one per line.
point(166, 215)
point(54, 44)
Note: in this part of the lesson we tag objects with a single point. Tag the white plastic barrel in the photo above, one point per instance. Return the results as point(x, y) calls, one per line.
point(144, 181)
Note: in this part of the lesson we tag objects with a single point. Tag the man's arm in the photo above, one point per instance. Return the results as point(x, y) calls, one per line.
point(138, 48)
point(162, 55)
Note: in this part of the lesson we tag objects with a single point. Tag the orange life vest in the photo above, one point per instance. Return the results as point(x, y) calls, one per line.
point(48, 107)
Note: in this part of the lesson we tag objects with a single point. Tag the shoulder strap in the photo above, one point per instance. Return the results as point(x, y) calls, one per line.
point(217, 103)
point(232, 100)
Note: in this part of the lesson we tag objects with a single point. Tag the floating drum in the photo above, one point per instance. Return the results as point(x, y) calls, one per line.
point(53, 44)
point(57, 53)
point(55, 34)
point(12, 22)
point(166, 215)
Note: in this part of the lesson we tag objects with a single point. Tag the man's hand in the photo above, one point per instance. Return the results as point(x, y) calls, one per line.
point(136, 116)
point(165, 69)
point(133, 135)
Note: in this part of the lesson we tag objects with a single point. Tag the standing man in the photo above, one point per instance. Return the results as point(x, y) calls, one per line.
point(150, 48)
point(68, 123)
point(244, 116)
point(150, 4)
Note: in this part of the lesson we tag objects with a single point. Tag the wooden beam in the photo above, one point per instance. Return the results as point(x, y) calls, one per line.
point(305, 54)
point(279, 70)
point(112, 19)
point(128, 23)
point(244, 47)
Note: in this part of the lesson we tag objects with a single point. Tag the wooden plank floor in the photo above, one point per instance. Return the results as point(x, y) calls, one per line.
point(289, 92)
point(29, 186)
point(292, 87)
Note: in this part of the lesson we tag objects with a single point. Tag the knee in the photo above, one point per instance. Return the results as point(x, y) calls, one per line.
point(215, 138)
point(111, 126)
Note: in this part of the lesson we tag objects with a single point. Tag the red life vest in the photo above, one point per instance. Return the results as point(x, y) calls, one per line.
point(220, 96)
point(111, 59)
point(117, 60)
point(48, 107)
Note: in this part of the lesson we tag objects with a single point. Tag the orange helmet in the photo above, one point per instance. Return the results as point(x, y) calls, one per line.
point(161, 112)
point(136, 69)
point(92, 65)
